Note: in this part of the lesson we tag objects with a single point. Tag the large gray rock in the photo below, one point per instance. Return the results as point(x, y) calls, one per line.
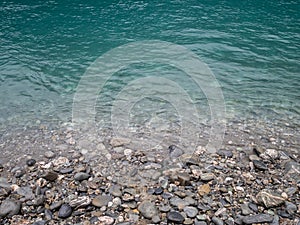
point(9, 208)
point(148, 209)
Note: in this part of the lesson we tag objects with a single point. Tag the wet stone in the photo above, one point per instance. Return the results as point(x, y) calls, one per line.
point(65, 211)
point(175, 217)
point(258, 218)
point(174, 151)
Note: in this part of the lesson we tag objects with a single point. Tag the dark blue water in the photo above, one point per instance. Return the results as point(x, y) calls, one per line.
point(252, 48)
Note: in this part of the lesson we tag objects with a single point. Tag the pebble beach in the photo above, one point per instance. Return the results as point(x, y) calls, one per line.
point(60, 179)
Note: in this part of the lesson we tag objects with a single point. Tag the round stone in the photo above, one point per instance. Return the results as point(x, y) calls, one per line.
point(175, 217)
point(65, 211)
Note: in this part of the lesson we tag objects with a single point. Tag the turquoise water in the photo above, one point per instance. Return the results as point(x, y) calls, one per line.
point(252, 48)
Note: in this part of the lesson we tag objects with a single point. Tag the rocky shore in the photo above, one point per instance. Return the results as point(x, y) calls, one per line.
point(47, 176)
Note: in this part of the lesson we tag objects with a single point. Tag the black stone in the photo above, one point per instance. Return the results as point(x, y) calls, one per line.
point(175, 217)
point(30, 162)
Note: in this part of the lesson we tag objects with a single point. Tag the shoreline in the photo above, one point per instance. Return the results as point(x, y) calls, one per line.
point(254, 177)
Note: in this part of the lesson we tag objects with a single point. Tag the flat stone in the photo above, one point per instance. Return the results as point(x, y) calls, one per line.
point(49, 154)
point(115, 190)
point(8, 208)
point(207, 176)
point(175, 217)
point(55, 205)
point(260, 165)
point(270, 153)
point(190, 211)
point(65, 211)
point(290, 208)
point(174, 151)
point(81, 176)
point(25, 192)
point(245, 209)
point(184, 178)
point(204, 189)
point(51, 176)
point(117, 142)
point(225, 153)
point(292, 170)
point(178, 202)
point(106, 220)
point(101, 200)
point(258, 218)
point(147, 209)
point(81, 201)
point(269, 198)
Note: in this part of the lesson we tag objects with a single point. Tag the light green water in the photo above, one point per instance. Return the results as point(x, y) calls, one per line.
point(252, 48)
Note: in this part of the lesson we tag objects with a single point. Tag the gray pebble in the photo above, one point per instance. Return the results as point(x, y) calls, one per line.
point(258, 218)
point(217, 221)
point(147, 209)
point(81, 176)
point(65, 211)
point(190, 211)
point(175, 217)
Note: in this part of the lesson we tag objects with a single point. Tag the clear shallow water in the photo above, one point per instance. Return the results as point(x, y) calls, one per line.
point(253, 49)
